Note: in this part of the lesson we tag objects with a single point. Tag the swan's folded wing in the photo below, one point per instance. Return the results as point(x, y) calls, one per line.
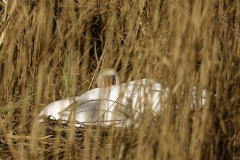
point(54, 108)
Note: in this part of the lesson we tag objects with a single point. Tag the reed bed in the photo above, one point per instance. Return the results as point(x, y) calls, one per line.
point(51, 50)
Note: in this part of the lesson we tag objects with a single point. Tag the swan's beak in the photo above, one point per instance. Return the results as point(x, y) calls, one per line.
point(109, 80)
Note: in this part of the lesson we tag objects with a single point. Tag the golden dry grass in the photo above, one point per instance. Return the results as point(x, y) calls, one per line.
point(54, 49)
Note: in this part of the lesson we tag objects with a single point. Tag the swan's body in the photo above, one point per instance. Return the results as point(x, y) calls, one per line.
point(118, 104)
point(108, 105)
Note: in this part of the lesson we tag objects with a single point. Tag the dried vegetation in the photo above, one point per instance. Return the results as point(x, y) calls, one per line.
point(54, 49)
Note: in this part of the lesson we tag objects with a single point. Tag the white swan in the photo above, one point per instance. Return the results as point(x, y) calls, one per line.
point(53, 109)
point(116, 105)
point(107, 105)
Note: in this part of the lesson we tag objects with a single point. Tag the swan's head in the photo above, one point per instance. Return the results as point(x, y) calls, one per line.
point(107, 77)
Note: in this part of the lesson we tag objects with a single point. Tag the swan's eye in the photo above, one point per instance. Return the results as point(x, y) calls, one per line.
point(109, 80)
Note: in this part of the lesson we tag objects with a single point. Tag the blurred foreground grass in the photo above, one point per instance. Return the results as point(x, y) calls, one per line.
point(54, 49)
